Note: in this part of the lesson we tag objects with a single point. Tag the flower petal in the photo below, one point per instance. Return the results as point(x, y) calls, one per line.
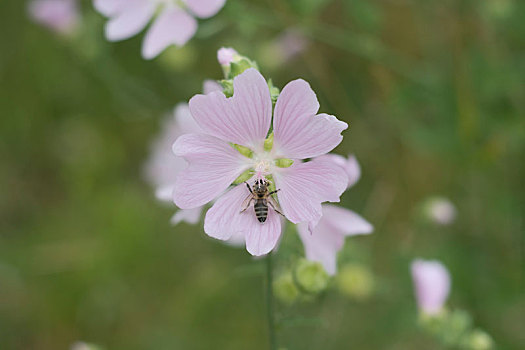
point(350, 165)
point(109, 8)
point(242, 119)
point(204, 8)
point(130, 20)
point(304, 186)
point(191, 216)
point(62, 16)
point(173, 26)
point(225, 221)
point(345, 221)
point(298, 131)
point(210, 86)
point(322, 244)
point(213, 166)
point(432, 284)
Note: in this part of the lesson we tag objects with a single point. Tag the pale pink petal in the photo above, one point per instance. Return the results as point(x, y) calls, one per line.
point(110, 8)
point(350, 165)
point(322, 244)
point(62, 16)
point(173, 26)
point(242, 119)
point(205, 8)
point(224, 221)
point(210, 86)
point(185, 121)
point(225, 55)
point(213, 166)
point(431, 283)
point(191, 216)
point(130, 21)
point(304, 186)
point(298, 131)
point(345, 221)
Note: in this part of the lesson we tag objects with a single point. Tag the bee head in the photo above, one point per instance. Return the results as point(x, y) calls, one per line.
point(261, 185)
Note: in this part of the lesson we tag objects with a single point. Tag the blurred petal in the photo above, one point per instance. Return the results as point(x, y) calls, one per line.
point(185, 121)
point(191, 216)
point(432, 284)
point(173, 26)
point(345, 221)
point(304, 186)
point(131, 20)
point(242, 119)
point(213, 166)
point(109, 8)
point(350, 165)
point(298, 131)
point(62, 16)
point(225, 55)
point(205, 8)
point(210, 86)
point(322, 244)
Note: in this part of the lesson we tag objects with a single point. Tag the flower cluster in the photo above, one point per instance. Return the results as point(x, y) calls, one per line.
point(175, 23)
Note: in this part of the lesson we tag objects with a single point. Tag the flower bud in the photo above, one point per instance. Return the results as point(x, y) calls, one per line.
point(440, 211)
point(478, 340)
point(226, 55)
point(285, 289)
point(311, 276)
point(355, 281)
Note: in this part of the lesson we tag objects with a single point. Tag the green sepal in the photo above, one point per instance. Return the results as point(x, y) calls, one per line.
point(240, 65)
point(268, 143)
point(243, 177)
point(245, 151)
point(274, 91)
point(283, 162)
point(227, 87)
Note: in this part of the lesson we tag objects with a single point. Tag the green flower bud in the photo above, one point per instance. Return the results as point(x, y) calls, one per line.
point(478, 340)
point(355, 281)
point(285, 289)
point(311, 276)
point(227, 87)
point(274, 91)
point(240, 65)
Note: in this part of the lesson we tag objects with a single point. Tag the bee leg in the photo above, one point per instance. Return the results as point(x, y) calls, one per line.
point(272, 203)
point(249, 188)
point(274, 192)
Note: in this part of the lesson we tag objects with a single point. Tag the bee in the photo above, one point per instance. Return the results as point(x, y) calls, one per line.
point(262, 197)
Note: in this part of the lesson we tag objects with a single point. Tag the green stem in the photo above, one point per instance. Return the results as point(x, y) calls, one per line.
point(269, 303)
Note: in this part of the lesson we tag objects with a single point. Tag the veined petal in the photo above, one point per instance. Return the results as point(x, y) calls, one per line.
point(350, 165)
point(213, 166)
point(298, 131)
point(243, 119)
point(304, 186)
point(224, 221)
point(322, 244)
point(191, 216)
point(173, 26)
point(204, 8)
point(130, 20)
point(109, 8)
point(345, 221)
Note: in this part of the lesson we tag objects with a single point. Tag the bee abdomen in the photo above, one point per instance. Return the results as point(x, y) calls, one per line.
point(261, 210)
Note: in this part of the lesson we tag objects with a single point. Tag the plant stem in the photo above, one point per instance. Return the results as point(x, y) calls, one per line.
point(269, 303)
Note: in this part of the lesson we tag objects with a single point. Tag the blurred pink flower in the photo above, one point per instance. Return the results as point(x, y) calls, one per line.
point(441, 211)
point(61, 16)
point(163, 166)
point(225, 55)
point(174, 25)
point(245, 119)
point(324, 240)
point(432, 285)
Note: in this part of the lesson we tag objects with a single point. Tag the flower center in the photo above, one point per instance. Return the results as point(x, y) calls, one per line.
point(263, 165)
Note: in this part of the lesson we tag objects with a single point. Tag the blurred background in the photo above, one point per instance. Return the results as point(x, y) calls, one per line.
point(434, 96)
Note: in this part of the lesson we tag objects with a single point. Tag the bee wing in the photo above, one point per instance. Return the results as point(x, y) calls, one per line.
point(274, 205)
point(246, 203)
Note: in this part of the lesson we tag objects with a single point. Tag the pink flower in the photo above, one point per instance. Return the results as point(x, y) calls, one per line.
point(174, 25)
point(431, 283)
point(163, 166)
point(322, 242)
point(441, 211)
point(226, 55)
point(245, 119)
point(61, 16)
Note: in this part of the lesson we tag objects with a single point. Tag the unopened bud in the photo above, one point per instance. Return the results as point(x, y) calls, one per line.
point(285, 289)
point(479, 340)
point(311, 276)
point(355, 281)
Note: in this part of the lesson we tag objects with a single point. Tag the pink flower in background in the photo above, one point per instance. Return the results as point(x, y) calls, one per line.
point(174, 25)
point(226, 55)
point(61, 16)
point(245, 119)
point(163, 166)
point(432, 285)
point(322, 242)
point(441, 211)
